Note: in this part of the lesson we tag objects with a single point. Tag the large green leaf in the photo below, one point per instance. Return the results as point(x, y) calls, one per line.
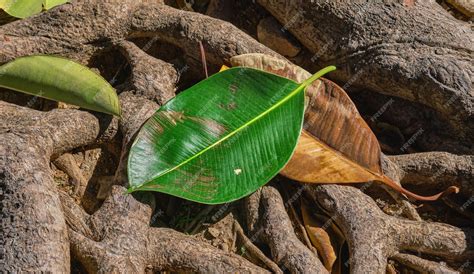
point(26, 8)
point(62, 80)
point(222, 138)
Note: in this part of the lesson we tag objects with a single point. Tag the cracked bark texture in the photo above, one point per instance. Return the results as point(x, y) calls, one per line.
point(418, 51)
point(83, 28)
point(373, 236)
point(41, 226)
point(437, 169)
point(35, 237)
point(121, 240)
point(269, 222)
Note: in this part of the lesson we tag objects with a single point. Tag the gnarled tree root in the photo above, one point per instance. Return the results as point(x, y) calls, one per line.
point(269, 222)
point(425, 56)
point(83, 28)
point(118, 238)
point(34, 233)
point(374, 237)
point(154, 79)
point(437, 169)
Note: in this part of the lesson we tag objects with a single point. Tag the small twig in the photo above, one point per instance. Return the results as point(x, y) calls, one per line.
point(203, 59)
point(254, 250)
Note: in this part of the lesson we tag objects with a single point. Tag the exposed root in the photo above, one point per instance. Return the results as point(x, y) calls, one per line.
point(425, 56)
point(95, 23)
point(30, 207)
point(123, 241)
point(269, 222)
point(138, 105)
point(68, 165)
point(254, 250)
point(405, 207)
point(437, 169)
point(151, 78)
point(135, 111)
point(409, 210)
point(422, 265)
point(374, 237)
point(104, 242)
point(220, 39)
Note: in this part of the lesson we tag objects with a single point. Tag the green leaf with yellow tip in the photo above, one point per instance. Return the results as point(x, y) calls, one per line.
point(221, 139)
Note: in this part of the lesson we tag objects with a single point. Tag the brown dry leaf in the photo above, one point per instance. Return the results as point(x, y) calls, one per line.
point(336, 145)
point(319, 238)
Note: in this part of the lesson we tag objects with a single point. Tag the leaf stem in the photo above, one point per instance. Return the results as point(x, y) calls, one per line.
point(318, 74)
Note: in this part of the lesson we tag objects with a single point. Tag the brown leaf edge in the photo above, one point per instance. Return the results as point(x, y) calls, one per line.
point(324, 97)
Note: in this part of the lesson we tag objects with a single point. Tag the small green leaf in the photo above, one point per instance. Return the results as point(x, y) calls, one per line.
point(62, 80)
point(221, 139)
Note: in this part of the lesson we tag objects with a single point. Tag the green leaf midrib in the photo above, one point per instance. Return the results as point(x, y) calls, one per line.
point(301, 87)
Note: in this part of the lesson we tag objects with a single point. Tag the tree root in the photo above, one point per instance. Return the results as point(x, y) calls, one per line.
point(118, 237)
point(269, 222)
point(34, 234)
point(154, 79)
point(122, 241)
point(94, 246)
point(425, 56)
point(97, 23)
point(107, 243)
point(254, 250)
point(67, 163)
point(395, 121)
point(437, 169)
point(143, 100)
point(135, 111)
point(374, 237)
point(422, 265)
